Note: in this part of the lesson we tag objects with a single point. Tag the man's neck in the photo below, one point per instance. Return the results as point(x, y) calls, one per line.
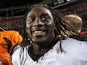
point(38, 50)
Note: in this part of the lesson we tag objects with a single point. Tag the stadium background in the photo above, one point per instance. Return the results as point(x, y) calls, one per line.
point(12, 11)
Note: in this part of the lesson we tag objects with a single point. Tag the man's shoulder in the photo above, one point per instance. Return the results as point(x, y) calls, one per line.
point(73, 42)
point(75, 48)
point(22, 49)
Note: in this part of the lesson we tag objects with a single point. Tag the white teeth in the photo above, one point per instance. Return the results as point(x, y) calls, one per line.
point(39, 33)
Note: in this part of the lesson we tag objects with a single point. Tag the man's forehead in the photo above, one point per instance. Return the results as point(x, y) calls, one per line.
point(39, 11)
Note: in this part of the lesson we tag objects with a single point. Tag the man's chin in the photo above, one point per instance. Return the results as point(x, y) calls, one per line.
point(42, 45)
point(39, 39)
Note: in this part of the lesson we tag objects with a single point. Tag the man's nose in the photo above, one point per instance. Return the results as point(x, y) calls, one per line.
point(38, 22)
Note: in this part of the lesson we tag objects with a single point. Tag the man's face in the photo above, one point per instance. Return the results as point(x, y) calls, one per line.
point(40, 25)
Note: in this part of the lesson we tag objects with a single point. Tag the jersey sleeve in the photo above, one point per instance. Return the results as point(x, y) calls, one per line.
point(16, 57)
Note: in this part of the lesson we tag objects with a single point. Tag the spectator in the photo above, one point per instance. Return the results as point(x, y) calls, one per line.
point(76, 21)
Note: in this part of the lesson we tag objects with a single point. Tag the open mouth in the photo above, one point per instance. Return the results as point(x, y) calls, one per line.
point(39, 33)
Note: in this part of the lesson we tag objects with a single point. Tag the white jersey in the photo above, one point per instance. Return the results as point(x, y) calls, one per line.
point(74, 53)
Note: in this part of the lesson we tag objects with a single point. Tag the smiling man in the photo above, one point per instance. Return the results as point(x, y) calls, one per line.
point(45, 29)
point(40, 24)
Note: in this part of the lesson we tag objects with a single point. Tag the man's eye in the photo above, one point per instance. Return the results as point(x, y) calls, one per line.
point(30, 19)
point(45, 19)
